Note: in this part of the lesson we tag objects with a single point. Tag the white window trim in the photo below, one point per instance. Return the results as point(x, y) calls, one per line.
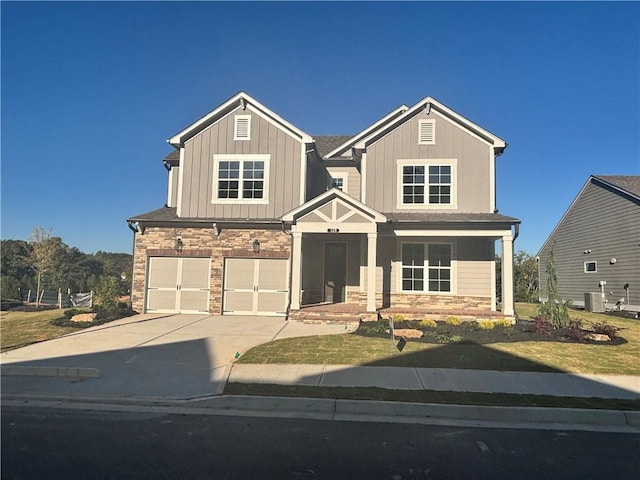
point(235, 127)
point(431, 122)
point(345, 179)
point(591, 271)
point(217, 158)
point(426, 291)
point(452, 162)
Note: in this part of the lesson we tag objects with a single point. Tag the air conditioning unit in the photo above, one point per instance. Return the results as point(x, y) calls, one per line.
point(593, 302)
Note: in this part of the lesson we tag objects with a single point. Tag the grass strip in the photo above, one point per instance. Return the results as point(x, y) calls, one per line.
point(429, 396)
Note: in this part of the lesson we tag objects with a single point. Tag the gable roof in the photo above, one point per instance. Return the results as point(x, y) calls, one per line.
point(328, 143)
point(430, 103)
point(326, 197)
point(350, 142)
point(627, 185)
point(239, 99)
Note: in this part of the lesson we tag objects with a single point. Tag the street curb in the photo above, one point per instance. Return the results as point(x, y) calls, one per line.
point(67, 372)
point(357, 410)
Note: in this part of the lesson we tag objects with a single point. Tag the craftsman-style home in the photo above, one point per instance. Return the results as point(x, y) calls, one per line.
point(262, 218)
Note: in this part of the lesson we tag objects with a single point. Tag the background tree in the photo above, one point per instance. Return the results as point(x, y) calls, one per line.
point(15, 269)
point(525, 276)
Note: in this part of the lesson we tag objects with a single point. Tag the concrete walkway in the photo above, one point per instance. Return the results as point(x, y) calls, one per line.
point(164, 359)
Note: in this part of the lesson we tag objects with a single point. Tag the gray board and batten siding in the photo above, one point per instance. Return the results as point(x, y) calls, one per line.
point(285, 165)
point(602, 224)
point(472, 155)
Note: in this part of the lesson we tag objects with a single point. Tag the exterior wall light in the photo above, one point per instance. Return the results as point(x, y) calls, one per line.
point(178, 245)
point(256, 246)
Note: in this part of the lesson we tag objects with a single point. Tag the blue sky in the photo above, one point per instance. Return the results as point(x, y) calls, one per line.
point(91, 91)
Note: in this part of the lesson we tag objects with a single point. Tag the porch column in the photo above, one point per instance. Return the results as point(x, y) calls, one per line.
point(372, 246)
point(296, 270)
point(507, 275)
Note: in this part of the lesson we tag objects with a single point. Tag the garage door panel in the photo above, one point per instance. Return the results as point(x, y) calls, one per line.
point(163, 272)
point(195, 273)
point(272, 302)
point(161, 300)
point(238, 301)
point(272, 275)
point(239, 273)
point(194, 301)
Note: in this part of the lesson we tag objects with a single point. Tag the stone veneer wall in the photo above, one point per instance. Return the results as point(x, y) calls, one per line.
point(202, 242)
point(425, 301)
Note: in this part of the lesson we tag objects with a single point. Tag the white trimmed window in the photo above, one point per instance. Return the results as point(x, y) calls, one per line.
point(590, 267)
point(338, 181)
point(426, 132)
point(435, 259)
point(241, 178)
point(426, 184)
point(242, 129)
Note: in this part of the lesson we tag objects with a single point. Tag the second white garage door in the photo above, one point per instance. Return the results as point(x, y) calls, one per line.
point(255, 286)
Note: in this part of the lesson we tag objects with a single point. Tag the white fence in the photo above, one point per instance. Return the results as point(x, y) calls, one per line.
point(61, 300)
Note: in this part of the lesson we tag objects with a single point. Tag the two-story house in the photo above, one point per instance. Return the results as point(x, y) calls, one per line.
point(263, 219)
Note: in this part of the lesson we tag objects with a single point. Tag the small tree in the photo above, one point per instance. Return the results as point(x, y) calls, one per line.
point(107, 295)
point(555, 309)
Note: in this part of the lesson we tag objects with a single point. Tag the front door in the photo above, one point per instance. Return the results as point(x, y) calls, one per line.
point(335, 271)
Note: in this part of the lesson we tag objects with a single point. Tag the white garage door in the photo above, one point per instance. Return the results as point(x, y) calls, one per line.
point(178, 285)
point(255, 286)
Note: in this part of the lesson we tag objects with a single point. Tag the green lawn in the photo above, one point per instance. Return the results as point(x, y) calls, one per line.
point(541, 356)
point(23, 328)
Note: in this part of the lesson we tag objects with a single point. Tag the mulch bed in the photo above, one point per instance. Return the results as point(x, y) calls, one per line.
point(470, 333)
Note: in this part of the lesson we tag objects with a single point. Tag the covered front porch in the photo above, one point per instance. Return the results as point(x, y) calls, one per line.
point(351, 262)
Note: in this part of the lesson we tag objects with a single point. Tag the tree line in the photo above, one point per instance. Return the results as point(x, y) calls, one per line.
point(46, 261)
point(525, 277)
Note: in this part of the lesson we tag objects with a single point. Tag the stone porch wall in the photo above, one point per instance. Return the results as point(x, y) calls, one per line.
point(424, 302)
point(202, 242)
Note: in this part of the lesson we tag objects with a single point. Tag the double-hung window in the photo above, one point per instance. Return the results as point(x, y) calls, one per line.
point(426, 184)
point(426, 267)
point(241, 178)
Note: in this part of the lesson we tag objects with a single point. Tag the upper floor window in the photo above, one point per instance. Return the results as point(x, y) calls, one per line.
point(337, 181)
point(426, 132)
point(242, 129)
point(426, 184)
point(239, 178)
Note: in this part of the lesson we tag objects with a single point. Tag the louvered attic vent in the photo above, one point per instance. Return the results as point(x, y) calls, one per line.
point(427, 132)
point(242, 127)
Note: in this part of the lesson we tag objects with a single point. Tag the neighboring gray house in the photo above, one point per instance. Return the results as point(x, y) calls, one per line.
point(263, 219)
point(598, 240)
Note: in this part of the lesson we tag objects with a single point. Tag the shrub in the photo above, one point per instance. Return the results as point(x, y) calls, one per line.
point(574, 330)
point(503, 322)
point(605, 328)
point(541, 325)
point(452, 321)
point(397, 317)
point(428, 323)
point(72, 312)
point(107, 295)
point(485, 324)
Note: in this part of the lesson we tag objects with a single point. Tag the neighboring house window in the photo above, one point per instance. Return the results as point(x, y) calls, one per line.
point(424, 183)
point(440, 267)
point(242, 129)
point(427, 132)
point(590, 267)
point(437, 263)
point(412, 267)
point(241, 177)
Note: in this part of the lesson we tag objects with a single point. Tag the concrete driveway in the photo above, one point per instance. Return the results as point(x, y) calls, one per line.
point(163, 356)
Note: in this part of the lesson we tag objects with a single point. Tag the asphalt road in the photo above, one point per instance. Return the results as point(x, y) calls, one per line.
point(53, 444)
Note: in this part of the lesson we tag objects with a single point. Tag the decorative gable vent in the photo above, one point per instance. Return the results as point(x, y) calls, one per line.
point(426, 132)
point(242, 127)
